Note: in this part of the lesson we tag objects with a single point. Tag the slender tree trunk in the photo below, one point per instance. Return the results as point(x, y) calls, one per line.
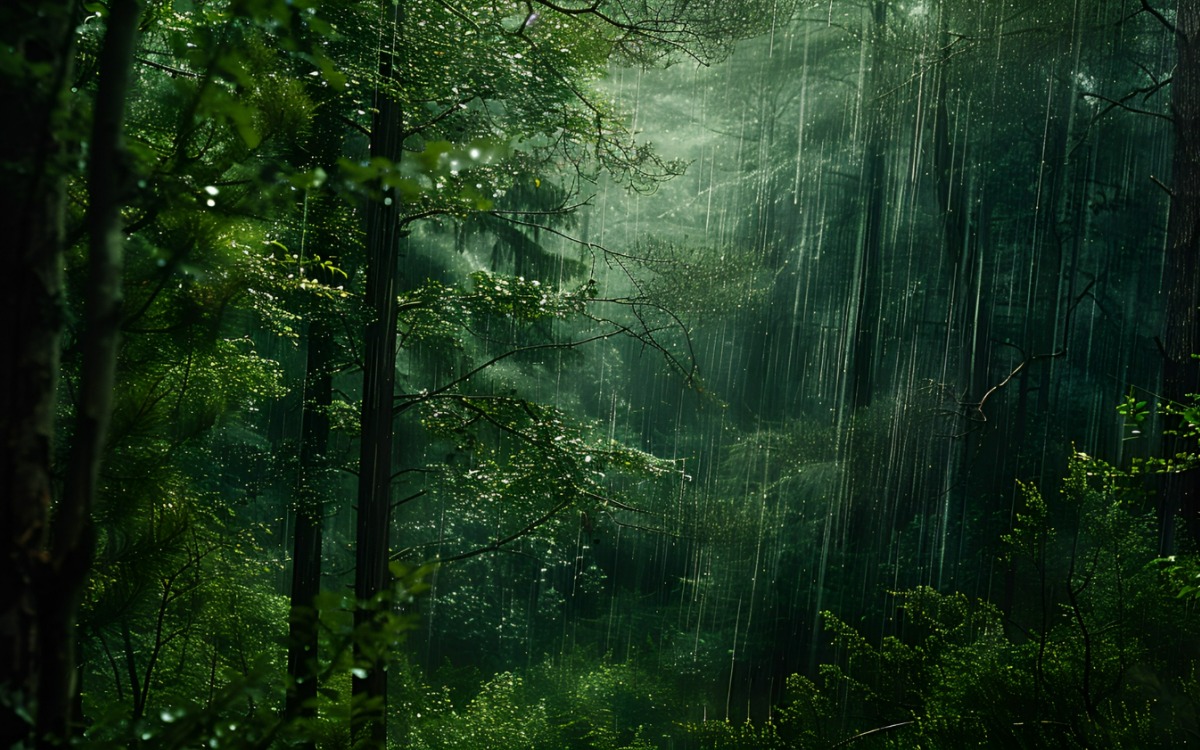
point(1181, 339)
point(320, 237)
point(72, 540)
point(960, 236)
point(310, 511)
point(369, 725)
point(869, 285)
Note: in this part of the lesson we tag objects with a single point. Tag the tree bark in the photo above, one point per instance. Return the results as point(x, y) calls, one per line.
point(1181, 339)
point(46, 560)
point(369, 725)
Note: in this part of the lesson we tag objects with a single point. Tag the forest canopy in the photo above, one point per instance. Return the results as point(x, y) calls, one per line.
point(600, 374)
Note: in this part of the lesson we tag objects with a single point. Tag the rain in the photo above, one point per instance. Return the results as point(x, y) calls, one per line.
point(915, 256)
point(934, 281)
point(680, 375)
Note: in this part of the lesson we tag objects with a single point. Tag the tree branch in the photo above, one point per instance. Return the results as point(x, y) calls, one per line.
point(1146, 6)
point(1029, 359)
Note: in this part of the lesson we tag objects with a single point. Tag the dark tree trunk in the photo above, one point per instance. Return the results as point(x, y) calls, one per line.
point(1181, 372)
point(369, 726)
point(321, 211)
point(961, 238)
point(46, 561)
point(869, 284)
point(310, 512)
point(32, 152)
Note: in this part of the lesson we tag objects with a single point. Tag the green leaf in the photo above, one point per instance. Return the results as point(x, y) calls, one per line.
point(242, 118)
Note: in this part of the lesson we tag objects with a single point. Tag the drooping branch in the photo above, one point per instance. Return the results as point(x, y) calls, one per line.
point(902, 724)
point(412, 400)
point(529, 528)
point(170, 71)
point(654, 30)
point(440, 116)
point(556, 455)
point(872, 733)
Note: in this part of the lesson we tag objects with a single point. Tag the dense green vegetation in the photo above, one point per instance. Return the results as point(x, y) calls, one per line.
point(612, 374)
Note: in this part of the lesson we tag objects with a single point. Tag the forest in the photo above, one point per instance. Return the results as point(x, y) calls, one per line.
point(600, 374)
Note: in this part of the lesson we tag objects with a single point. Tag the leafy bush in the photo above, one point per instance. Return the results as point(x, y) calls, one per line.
point(1095, 650)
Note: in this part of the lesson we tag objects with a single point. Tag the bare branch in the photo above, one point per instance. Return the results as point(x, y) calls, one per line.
point(459, 14)
point(1160, 183)
point(1120, 103)
point(173, 72)
point(1146, 6)
point(1030, 359)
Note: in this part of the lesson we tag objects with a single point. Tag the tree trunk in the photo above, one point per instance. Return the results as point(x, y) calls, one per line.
point(869, 284)
point(46, 561)
point(310, 512)
point(32, 157)
point(321, 211)
point(1181, 339)
point(72, 537)
point(369, 725)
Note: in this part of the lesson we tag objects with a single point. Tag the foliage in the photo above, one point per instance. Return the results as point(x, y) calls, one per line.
point(239, 708)
point(1180, 421)
point(501, 714)
point(699, 282)
point(1183, 572)
point(535, 464)
point(590, 705)
point(228, 110)
point(1084, 658)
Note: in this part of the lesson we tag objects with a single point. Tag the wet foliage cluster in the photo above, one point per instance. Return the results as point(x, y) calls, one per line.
point(776, 374)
